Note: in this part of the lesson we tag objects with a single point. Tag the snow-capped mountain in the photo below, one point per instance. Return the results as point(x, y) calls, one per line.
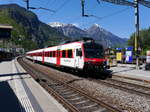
point(69, 30)
point(57, 24)
point(96, 32)
point(104, 37)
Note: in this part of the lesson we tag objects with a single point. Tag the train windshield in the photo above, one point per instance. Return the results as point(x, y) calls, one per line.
point(93, 50)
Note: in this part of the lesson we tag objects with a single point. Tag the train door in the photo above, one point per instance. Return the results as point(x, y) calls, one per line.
point(58, 58)
point(78, 58)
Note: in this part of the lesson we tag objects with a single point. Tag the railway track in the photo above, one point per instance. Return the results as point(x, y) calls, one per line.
point(73, 99)
point(126, 86)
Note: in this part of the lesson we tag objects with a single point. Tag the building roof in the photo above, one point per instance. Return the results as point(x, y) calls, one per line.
point(5, 26)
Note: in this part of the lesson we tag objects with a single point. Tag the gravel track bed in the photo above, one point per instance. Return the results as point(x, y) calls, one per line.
point(132, 81)
point(128, 85)
point(123, 100)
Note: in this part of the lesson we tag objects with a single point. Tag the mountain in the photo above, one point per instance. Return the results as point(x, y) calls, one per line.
point(69, 30)
point(99, 34)
point(105, 37)
point(28, 31)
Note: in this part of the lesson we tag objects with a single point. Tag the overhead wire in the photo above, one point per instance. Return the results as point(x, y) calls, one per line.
point(47, 4)
point(107, 16)
point(62, 5)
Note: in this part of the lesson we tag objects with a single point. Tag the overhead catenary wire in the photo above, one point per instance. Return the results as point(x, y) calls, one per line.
point(33, 8)
point(61, 6)
point(47, 5)
point(107, 16)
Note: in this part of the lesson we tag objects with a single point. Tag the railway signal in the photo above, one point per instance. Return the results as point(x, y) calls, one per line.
point(134, 4)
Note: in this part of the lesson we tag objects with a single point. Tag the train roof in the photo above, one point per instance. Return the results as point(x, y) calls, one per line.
point(63, 45)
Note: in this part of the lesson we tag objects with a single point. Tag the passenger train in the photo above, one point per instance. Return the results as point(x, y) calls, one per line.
point(85, 55)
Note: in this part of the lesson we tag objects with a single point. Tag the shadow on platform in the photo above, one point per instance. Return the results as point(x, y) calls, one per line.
point(5, 75)
point(8, 100)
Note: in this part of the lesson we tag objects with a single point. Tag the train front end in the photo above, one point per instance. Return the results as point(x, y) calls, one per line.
point(94, 60)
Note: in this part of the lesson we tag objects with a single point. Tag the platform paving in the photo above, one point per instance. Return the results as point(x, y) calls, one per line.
point(129, 70)
point(20, 93)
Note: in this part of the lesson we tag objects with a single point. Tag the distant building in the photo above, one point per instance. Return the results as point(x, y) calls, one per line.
point(5, 31)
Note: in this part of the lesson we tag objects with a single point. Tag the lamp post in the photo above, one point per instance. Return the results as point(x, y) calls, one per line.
point(136, 40)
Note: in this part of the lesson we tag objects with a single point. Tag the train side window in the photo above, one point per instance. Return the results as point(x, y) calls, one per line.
point(50, 54)
point(78, 52)
point(64, 53)
point(46, 54)
point(54, 54)
point(70, 53)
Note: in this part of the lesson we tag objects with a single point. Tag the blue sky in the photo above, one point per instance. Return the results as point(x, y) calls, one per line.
point(117, 19)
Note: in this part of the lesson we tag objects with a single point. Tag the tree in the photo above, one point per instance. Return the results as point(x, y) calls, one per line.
point(144, 40)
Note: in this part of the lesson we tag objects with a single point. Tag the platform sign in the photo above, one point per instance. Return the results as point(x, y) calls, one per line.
point(148, 57)
point(119, 56)
point(129, 54)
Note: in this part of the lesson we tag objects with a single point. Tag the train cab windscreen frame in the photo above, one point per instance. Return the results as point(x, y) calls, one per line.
point(93, 50)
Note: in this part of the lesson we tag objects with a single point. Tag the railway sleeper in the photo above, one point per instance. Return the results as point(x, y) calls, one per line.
point(71, 95)
point(81, 101)
point(67, 93)
point(87, 107)
point(86, 104)
point(77, 98)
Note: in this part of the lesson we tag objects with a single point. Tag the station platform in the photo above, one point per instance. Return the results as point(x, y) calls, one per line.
point(130, 71)
point(20, 93)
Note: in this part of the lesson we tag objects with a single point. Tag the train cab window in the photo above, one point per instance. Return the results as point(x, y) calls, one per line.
point(79, 52)
point(64, 53)
point(70, 53)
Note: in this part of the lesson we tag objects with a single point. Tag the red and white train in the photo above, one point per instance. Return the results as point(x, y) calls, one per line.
point(85, 55)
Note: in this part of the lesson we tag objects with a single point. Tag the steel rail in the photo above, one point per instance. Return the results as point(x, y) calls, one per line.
point(71, 107)
point(126, 89)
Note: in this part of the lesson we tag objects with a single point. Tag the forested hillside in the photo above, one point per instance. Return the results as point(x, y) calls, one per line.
point(28, 32)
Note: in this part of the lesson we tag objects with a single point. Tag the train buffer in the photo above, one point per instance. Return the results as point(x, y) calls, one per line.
point(20, 93)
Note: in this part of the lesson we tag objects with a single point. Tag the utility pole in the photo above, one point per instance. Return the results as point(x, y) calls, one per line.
point(27, 4)
point(134, 4)
point(33, 8)
point(136, 39)
point(82, 3)
point(82, 6)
